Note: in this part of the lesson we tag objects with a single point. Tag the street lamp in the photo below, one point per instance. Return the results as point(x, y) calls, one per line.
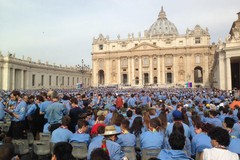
point(81, 69)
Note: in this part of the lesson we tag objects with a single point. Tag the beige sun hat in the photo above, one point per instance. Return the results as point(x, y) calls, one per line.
point(110, 130)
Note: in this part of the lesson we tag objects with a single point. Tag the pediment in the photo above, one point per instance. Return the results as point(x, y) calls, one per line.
point(144, 46)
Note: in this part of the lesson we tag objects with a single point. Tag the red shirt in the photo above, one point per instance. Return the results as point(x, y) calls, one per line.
point(95, 127)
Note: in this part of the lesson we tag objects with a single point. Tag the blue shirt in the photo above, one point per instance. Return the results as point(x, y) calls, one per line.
point(31, 109)
point(170, 127)
point(44, 106)
point(80, 137)
point(214, 121)
point(55, 112)
point(186, 149)
point(126, 140)
point(2, 112)
point(234, 145)
point(61, 135)
point(200, 142)
point(166, 154)
point(236, 129)
point(20, 110)
point(131, 102)
point(114, 148)
point(151, 140)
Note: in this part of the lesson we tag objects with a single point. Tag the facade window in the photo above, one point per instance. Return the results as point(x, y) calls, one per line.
point(154, 43)
point(73, 81)
point(136, 44)
point(68, 81)
point(33, 80)
point(155, 81)
point(136, 80)
point(56, 80)
point(62, 80)
point(42, 80)
point(146, 78)
point(180, 42)
point(100, 47)
point(197, 40)
point(125, 79)
point(169, 78)
point(77, 80)
point(124, 45)
point(136, 69)
point(168, 42)
point(155, 69)
point(50, 80)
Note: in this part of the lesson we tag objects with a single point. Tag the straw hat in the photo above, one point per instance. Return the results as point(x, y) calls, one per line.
point(110, 130)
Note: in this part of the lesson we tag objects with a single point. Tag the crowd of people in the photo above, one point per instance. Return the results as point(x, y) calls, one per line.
point(183, 123)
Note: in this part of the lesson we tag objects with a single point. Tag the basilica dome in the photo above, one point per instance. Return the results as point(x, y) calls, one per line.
point(162, 26)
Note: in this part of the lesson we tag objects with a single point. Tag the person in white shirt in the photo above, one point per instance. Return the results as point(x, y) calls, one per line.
point(220, 139)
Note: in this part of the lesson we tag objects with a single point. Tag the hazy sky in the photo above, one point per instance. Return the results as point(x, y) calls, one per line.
point(61, 31)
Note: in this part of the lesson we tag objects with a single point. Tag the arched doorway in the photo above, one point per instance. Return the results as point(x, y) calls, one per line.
point(198, 75)
point(101, 77)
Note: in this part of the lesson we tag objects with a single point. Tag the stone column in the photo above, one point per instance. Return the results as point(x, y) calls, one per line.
point(119, 70)
point(27, 79)
point(228, 74)
point(151, 70)
point(129, 70)
point(6, 80)
point(107, 67)
point(13, 86)
point(175, 71)
point(159, 70)
point(22, 79)
point(140, 71)
point(163, 70)
point(133, 68)
point(205, 77)
point(94, 74)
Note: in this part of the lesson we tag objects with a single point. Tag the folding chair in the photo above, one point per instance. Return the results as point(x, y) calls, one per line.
point(20, 146)
point(150, 153)
point(41, 148)
point(129, 152)
point(79, 150)
point(45, 136)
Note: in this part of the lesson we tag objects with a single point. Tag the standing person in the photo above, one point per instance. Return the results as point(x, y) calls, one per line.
point(35, 118)
point(2, 107)
point(18, 115)
point(119, 102)
point(220, 139)
point(131, 101)
point(55, 112)
point(146, 101)
point(47, 101)
point(74, 114)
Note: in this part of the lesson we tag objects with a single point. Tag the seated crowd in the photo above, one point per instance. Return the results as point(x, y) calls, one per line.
point(180, 124)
